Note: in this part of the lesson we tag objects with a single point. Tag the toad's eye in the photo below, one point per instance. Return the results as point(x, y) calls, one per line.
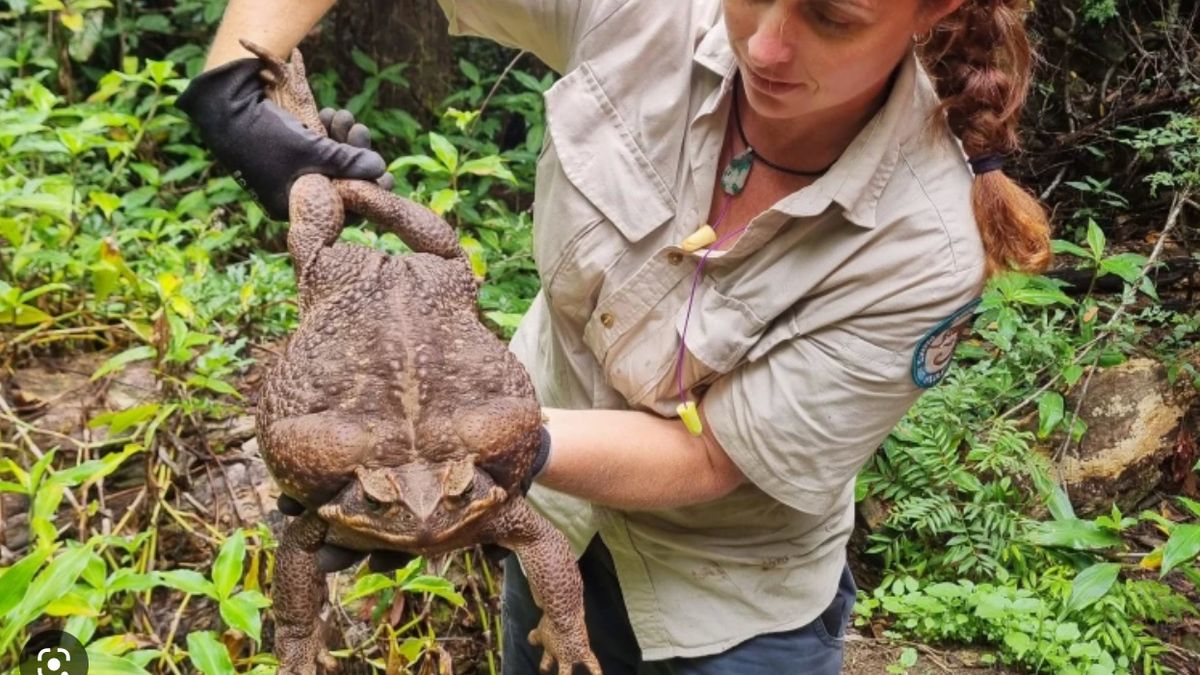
point(372, 503)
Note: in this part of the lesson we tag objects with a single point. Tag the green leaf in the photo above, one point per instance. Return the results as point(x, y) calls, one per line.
point(55, 581)
point(1018, 642)
point(209, 655)
point(94, 469)
point(1092, 584)
point(1072, 374)
point(124, 358)
point(469, 70)
point(1081, 535)
point(362, 60)
point(369, 584)
point(240, 613)
point(1182, 546)
point(15, 580)
point(444, 150)
point(443, 201)
point(436, 586)
point(1050, 413)
point(1096, 240)
point(1190, 504)
point(100, 663)
point(188, 581)
point(492, 165)
point(121, 420)
point(227, 570)
point(213, 384)
point(1060, 246)
point(424, 162)
point(125, 579)
point(1128, 266)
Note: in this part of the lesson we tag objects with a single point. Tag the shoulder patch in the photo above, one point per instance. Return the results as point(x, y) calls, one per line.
point(935, 351)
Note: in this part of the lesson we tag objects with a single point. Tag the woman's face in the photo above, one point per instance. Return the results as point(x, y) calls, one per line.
point(803, 56)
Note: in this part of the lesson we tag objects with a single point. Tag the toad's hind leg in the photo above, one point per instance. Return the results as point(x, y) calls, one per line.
point(555, 584)
point(317, 216)
point(423, 230)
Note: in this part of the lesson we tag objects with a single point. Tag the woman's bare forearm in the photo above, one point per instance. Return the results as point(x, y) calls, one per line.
point(634, 460)
point(276, 25)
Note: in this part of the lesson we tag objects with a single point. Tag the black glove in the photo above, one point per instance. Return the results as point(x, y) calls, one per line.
point(539, 461)
point(265, 147)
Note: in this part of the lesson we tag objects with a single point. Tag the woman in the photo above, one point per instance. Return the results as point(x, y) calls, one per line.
point(713, 390)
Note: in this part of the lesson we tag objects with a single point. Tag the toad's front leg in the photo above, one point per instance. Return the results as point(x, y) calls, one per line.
point(555, 584)
point(298, 594)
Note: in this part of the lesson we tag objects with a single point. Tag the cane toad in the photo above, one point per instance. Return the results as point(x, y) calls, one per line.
point(394, 415)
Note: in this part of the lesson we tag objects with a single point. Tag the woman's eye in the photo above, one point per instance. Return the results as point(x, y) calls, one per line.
point(831, 23)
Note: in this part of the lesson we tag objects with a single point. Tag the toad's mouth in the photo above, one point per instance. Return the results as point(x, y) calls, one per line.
point(420, 535)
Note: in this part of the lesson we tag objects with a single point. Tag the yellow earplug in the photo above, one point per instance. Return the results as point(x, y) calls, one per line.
point(699, 239)
point(690, 417)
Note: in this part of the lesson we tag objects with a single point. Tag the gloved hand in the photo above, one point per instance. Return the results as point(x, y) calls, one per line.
point(265, 147)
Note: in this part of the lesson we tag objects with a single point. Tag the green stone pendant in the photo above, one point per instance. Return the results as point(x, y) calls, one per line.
point(733, 181)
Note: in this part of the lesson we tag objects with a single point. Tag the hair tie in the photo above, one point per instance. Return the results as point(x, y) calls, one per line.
point(985, 163)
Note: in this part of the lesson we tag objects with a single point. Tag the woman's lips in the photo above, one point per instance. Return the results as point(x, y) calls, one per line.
point(769, 86)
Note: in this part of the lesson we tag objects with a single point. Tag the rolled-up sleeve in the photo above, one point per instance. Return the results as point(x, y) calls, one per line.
point(803, 419)
point(550, 29)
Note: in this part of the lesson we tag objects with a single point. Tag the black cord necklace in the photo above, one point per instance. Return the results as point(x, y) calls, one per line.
point(734, 178)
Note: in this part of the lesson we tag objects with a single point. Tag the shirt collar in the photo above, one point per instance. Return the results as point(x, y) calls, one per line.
point(857, 179)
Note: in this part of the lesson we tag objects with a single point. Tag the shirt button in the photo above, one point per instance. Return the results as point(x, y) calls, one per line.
point(607, 319)
point(674, 257)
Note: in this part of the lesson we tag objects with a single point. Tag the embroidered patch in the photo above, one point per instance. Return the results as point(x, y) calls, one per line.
point(935, 351)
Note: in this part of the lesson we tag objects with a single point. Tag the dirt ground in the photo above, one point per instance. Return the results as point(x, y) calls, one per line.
point(867, 656)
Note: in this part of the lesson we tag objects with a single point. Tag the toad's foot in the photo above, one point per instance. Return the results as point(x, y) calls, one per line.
point(555, 584)
point(565, 649)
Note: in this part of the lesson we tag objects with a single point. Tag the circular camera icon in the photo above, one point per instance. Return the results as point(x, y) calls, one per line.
point(53, 652)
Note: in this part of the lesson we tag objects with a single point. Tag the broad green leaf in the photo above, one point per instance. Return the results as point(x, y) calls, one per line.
point(436, 586)
point(121, 420)
point(113, 645)
point(491, 165)
point(55, 581)
point(213, 384)
point(475, 254)
point(209, 655)
point(240, 613)
point(1081, 535)
point(73, 21)
point(227, 570)
point(1018, 642)
point(77, 602)
point(443, 201)
point(369, 584)
point(1092, 584)
point(188, 581)
point(1095, 239)
point(1060, 246)
point(1072, 374)
point(1190, 505)
point(469, 70)
point(1050, 413)
point(1128, 266)
point(362, 60)
point(94, 469)
point(423, 162)
point(1182, 546)
point(444, 150)
point(15, 580)
point(100, 663)
point(124, 358)
point(125, 579)
point(24, 315)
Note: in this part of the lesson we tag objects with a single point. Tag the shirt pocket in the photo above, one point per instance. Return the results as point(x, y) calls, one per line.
point(597, 193)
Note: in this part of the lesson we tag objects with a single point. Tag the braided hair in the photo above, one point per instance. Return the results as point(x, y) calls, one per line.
point(980, 60)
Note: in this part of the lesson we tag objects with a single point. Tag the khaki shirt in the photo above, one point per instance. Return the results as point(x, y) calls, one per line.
point(807, 335)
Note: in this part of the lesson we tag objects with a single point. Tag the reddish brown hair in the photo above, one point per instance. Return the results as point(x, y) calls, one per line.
point(980, 60)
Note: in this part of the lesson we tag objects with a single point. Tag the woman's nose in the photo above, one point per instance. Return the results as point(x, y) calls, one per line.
point(768, 48)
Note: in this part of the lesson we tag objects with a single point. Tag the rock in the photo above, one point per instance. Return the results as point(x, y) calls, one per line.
point(1134, 417)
